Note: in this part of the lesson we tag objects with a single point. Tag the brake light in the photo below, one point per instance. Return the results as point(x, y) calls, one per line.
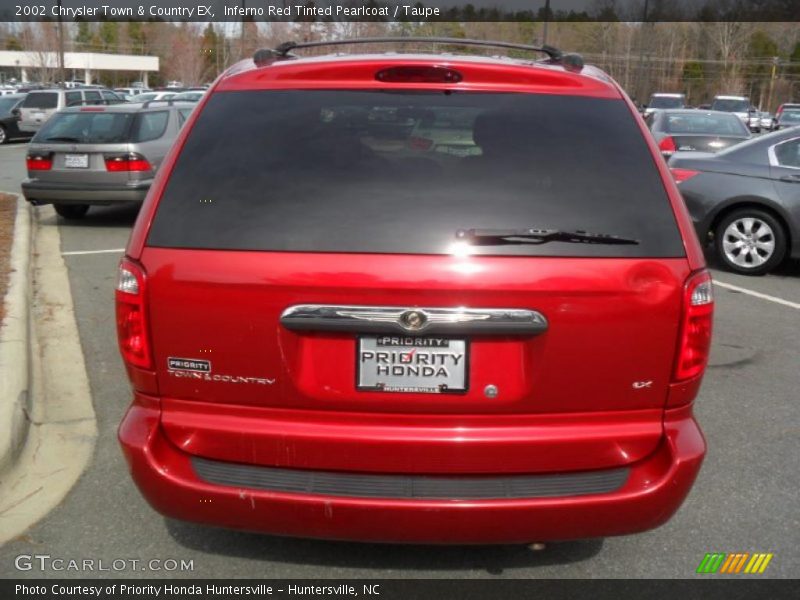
point(680, 175)
point(696, 325)
point(667, 146)
point(418, 75)
point(39, 162)
point(132, 327)
point(130, 161)
point(419, 143)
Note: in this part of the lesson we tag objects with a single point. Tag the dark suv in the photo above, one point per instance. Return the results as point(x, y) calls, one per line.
point(418, 298)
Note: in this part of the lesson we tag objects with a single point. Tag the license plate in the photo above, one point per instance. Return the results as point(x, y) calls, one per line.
point(391, 363)
point(38, 116)
point(76, 161)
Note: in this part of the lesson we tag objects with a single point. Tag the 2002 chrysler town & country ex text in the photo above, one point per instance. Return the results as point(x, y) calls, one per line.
point(414, 298)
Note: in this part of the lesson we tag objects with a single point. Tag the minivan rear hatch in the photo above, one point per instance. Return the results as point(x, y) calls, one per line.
point(296, 248)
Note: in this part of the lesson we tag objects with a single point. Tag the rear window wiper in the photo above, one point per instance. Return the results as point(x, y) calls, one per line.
point(498, 237)
point(62, 138)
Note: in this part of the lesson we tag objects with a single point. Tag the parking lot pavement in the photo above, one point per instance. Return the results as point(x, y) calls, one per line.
point(744, 499)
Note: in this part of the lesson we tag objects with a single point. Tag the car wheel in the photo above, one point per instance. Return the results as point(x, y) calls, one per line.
point(3, 135)
point(750, 241)
point(71, 211)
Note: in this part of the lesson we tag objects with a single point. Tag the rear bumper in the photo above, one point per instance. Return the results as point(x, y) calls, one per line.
point(40, 192)
point(654, 489)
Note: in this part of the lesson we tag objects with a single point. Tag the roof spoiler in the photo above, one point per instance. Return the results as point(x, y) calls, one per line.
point(571, 62)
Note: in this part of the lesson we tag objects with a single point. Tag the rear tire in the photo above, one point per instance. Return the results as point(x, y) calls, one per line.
point(71, 211)
point(3, 135)
point(750, 241)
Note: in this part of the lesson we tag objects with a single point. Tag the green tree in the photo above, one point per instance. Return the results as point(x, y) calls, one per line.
point(109, 35)
point(137, 37)
point(693, 77)
point(209, 47)
point(83, 38)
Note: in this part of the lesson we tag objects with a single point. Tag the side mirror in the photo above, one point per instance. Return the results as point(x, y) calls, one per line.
point(16, 114)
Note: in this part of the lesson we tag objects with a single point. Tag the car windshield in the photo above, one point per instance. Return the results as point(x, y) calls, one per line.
point(86, 128)
point(730, 105)
point(704, 123)
point(790, 116)
point(6, 104)
point(401, 172)
point(41, 100)
point(665, 102)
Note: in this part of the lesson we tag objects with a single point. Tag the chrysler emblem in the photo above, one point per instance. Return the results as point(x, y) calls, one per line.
point(413, 320)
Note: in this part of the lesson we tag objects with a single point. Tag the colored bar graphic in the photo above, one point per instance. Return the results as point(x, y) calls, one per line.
point(711, 562)
point(721, 562)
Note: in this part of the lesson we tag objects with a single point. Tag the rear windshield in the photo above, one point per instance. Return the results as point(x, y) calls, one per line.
point(731, 105)
point(665, 102)
point(41, 100)
point(701, 123)
point(790, 116)
point(391, 172)
point(86, 128)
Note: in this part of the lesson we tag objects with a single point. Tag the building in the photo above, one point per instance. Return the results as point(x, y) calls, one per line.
point(78, 65)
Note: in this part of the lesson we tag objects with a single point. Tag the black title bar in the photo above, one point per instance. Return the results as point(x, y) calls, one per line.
point(399, 10)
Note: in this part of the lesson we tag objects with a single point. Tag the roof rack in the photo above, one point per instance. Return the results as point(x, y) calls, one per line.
point(572, 62)
point(147, 103)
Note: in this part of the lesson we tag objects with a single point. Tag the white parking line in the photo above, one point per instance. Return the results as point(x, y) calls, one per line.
point(80, 252)
point(755, 294)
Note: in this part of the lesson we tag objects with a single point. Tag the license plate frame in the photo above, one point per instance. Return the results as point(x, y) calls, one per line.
point(76, 161)
point(457, 381)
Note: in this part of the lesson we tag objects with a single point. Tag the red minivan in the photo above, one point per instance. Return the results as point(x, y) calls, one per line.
point(414, 298)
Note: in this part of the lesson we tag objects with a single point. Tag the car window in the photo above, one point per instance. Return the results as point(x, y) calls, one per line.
point(665, 102)
point(704, 123)
point(401, 172)
point(72, 98)
point(92, 96)
point(790, 117)
point(41, 100)
point(111, 97)
point(86, 128)
point(7, 104)
point(150, 126)
point(788, 154)
point(183, 114)
point(728, 105)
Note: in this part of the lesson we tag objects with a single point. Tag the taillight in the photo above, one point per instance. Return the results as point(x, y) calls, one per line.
point(419, 143)
point(680, 175)
point(39, 162)
point(418, 75)
point(696, 325)
point(667, 146)
point(129, 161)
point(132, 328)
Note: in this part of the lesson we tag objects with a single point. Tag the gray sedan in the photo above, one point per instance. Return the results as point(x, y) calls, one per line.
point(100, 154)
point(746, 200)
point(691, 130)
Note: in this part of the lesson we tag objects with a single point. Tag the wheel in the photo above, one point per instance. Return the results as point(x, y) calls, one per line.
point(71, 211)
point(750, 241)
point(3, 135)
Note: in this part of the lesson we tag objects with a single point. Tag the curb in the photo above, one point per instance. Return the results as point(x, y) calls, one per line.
point(15, 342)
